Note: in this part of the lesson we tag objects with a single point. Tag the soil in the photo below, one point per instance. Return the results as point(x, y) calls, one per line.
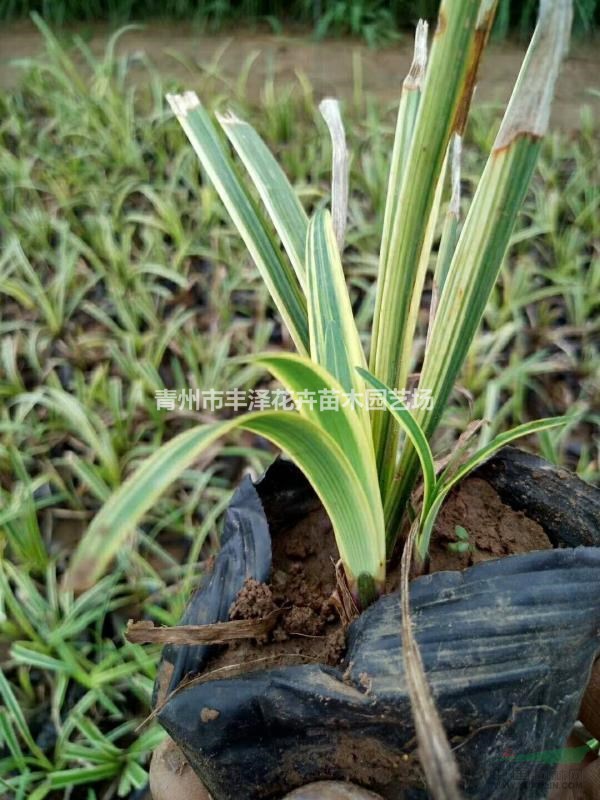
point(339, 67)
point(171, 775)
point(303, 577)
point(302, 582)
point(493, 529)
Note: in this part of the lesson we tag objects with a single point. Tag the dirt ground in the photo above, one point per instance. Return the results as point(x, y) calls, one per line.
point(332, 67)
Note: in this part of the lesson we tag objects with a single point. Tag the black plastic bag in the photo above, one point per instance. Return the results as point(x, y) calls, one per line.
point(279, 498)
point(507, 646)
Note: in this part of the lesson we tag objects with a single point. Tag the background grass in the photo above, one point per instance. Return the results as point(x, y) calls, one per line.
point(121, 275)
point(374, 20)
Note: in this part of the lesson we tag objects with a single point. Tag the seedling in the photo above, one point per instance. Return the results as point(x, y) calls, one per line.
point(462, 545)
point(364, 465)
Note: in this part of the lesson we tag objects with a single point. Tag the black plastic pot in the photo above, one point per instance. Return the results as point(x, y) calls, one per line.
point(508, 646)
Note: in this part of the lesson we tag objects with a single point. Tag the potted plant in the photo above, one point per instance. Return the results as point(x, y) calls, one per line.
point(482, 653)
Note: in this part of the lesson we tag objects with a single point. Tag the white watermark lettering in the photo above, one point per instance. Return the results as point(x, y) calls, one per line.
point(214, 400)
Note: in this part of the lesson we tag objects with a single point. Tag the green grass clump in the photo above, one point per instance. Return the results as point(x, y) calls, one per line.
point(121, 274)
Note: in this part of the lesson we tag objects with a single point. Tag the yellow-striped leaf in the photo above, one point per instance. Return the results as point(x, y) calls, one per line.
point(278, 275)
point(277, 194)
point(316, 453)
point(486, 232)
point(334, 340)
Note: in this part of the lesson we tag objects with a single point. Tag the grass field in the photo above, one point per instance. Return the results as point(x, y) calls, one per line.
point(121, 276)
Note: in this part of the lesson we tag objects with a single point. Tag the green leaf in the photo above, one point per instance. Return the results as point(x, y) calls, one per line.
point(9, 740)
point(275, 191)
point(474, 269)
point(456, 49)
point(277, 274)
point(17, 717)
point(449, 235)
point(445, 99)
point(410, 99)
point(526, 429)
point(446, 484)
point(409, 425)
point(64, 778)
point(87, 426)
point(486, 232)
point(34, 658)
point(357, 529)
point(330, 111)
point(334, 340)
point(383, 434)
point(301, 375)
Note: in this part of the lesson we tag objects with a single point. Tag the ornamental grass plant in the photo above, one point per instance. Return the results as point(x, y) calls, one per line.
point(364, 464)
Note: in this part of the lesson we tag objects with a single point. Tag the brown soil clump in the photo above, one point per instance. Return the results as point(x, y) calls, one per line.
point(254, 601)
point(493, 529)
point(302, 582)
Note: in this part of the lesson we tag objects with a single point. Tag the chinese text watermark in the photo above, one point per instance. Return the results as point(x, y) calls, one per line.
point(211, 400)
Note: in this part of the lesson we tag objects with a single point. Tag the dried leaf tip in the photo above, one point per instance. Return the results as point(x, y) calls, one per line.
point(416, 73)
point(330, 111)
point(528, 112)
point(182, 104)
point(486, 14)
point(229, 118)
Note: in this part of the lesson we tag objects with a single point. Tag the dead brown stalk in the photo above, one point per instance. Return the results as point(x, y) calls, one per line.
point(437, 760)
point(145, 632)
